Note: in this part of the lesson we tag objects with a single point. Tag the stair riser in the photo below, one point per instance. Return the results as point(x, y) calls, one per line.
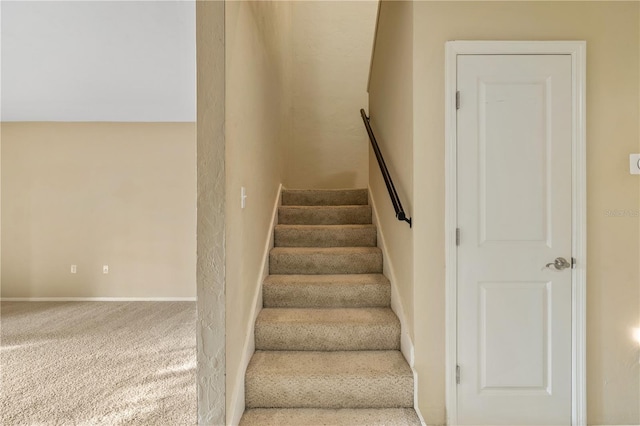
point(329, 392)
point(325, 263)
point(326, 295)
point(324, 216)
point(327, 337)
point(350, 237)
point(325, 198)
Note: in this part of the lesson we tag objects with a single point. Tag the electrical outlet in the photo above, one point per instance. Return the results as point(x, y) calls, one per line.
point(74, 269)
point(105, 269)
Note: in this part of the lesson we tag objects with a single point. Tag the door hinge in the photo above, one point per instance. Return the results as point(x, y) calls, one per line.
point(457, 374)
point(458, 99)
point(457, 236)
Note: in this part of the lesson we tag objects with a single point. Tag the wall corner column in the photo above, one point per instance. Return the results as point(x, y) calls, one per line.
point(210, 268)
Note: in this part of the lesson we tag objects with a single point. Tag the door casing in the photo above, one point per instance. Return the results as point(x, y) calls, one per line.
point(577, 50)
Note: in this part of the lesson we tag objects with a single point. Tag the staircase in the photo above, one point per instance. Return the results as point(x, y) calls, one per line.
point(327, 342)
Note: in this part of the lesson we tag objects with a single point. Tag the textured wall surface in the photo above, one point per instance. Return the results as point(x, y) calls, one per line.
point(210, 271)
point(93, 194)
point(331, 54)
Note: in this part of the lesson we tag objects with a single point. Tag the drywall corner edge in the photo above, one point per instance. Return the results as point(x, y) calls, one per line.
point(373, 45)
point(211, 254)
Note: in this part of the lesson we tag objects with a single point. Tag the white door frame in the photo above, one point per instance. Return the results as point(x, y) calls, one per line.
point(577, 50)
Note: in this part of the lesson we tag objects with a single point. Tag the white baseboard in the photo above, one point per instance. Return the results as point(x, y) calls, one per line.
point(98, 299)
point(406, 344)
point(415, 397)
point(237, 399)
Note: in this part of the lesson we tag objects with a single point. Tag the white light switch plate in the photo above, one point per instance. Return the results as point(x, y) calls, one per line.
point(243, 197)
point(634, 164)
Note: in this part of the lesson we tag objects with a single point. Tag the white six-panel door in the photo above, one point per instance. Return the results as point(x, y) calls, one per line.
point(514, 212)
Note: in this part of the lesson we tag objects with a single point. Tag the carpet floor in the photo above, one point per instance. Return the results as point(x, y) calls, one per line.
point(98, 363)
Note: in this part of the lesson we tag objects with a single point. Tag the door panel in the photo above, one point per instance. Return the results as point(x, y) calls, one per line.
point(505, 349)
point(514, 214)
point(523, 105)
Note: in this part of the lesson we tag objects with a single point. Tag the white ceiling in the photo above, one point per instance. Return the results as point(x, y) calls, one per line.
point(98, 61)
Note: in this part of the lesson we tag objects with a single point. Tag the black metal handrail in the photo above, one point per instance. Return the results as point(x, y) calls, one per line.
point(393, 194)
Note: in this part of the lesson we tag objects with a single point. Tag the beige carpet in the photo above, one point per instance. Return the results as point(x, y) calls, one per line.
point(96, 363)
point(327, 341)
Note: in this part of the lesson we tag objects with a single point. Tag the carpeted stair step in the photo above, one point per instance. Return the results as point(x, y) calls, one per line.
point(325, 236)
point(334, 260)
point(334, 417)
point(359, 329)
point(324, 215)
point(326, 291)
point(355, 379)
point(324, 197)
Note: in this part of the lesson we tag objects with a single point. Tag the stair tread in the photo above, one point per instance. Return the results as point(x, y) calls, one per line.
point(321, 364)
point(350, 235)
point(357, 196)
point(345, 226)
point(311, 329)
point(326, 291)
point(330, 316)
point(316, 379)
point(326, 416)
point(338, 279)
point(324, 215)
point(325, 260)
point(327, 207)
point(325, 250)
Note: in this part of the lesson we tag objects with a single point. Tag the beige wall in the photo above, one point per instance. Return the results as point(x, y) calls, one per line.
point(390, 108)
point(331, 55)
point(89, 194)
point(257, 123)
point(611, 31)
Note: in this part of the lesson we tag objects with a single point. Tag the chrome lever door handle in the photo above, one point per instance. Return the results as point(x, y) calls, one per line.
point(559, 264)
